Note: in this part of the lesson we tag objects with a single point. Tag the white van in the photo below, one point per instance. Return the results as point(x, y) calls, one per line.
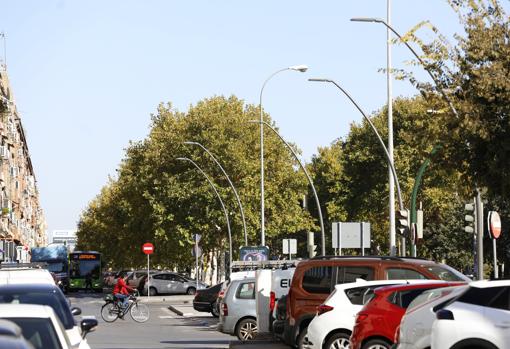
point(12, 274)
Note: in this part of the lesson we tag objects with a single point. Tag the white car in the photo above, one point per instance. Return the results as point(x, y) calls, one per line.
point(40, 326)
point(479, 318)
point(416, 324)
point(19, 275)
point(332, 327)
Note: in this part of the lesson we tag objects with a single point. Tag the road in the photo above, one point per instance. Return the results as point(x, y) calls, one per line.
point(164, 329)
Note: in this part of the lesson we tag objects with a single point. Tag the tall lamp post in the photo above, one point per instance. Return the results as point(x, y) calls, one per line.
point(222, 206)
point(299, 68)
point(323, 235)
point(231, 185)
point(390, 163)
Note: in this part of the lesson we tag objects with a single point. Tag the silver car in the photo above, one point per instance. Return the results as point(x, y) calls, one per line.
point(238, 311)
point(167, 282)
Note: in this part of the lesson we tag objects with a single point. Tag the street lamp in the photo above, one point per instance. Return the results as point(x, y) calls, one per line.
point(231, 185)
point(399, 194)
point(323, 237)
point(222, 205)
point(436, 82)
point(300, 68)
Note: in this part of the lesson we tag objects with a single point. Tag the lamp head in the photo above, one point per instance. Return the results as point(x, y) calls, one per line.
point(367, 19)
point(300, 68)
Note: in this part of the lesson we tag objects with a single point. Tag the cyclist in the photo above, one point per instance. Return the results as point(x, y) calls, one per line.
point(121, 290)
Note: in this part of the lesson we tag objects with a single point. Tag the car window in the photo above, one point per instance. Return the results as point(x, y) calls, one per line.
point(159, 277)
point(52, 299)
point(350, 274)
point(246, 291)
point(318, 280)
point(446, 273)
point(361, 295)
point(404, 298)
point(403, 274)
point(495, 297)
point(38, 331)
point(180, 279)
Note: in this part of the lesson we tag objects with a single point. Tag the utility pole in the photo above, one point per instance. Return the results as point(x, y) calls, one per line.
point(479, 233)
point(393, 249)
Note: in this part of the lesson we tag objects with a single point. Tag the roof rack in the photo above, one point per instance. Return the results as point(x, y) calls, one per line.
point(389, 258)
point(254, 265)
point(15, 265)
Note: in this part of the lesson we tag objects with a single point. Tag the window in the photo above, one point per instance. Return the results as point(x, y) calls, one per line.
point(350, 274)
point(318, 280)
point(361, 295)
point(38, 331)
point(246, 291)
point(446, 273)
point(159, 277)
point(403, 274)
point(404, 298)
point(494, 297)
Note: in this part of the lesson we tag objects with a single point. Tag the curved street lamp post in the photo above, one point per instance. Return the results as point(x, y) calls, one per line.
point(222, 205)
point(299, 68)
point(231, 185)
point(323, 238)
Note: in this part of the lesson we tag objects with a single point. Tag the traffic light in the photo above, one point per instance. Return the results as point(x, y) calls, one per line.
point(469, 218)
point(403, 222)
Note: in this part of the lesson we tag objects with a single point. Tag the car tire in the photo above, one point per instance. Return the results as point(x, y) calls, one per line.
point(191, 291)
point(153, 292)
point(338, 341)
point(246, 329)
point(377, 344)
point(301, 338)
point(215, 311)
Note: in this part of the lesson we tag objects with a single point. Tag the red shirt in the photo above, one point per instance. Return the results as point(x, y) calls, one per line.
point(121, 287)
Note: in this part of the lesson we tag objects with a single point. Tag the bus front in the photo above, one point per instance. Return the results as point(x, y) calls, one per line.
point(85, 271)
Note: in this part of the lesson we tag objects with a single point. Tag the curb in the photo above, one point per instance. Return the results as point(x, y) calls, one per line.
point(178, 312)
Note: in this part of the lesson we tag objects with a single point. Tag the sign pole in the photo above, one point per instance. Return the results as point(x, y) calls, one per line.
point(290, 252)
point(496, 276)
point(148, 280)
point(196, 260)
point(362, 242)
point(339, 237)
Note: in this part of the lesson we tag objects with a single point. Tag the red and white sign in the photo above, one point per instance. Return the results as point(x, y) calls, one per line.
point(494, 224)
point(148, 248)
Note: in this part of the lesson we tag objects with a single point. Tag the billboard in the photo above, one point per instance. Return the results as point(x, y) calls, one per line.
point(254, 253)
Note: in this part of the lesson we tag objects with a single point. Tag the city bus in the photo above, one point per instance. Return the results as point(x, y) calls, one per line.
point(85, 271)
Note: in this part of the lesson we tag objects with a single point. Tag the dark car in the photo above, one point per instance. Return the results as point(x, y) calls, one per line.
point(206, 300)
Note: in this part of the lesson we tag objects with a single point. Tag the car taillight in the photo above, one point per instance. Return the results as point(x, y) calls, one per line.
point(221, 294)
point(272, 300)
point(323, 308)
point(224, 309)
point(360, 317)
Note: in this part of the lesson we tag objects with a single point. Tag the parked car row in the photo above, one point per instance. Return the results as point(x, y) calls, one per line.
point(36, 314)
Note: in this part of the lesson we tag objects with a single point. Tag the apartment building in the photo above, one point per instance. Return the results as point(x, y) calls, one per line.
point(22, 223)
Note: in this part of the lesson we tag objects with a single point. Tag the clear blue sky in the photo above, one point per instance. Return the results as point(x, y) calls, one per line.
point(86, 75)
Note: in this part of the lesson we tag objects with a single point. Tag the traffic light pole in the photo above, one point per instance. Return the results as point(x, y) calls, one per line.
point(479, 234)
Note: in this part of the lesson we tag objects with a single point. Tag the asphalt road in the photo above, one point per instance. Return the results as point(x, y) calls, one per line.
point(164, 329)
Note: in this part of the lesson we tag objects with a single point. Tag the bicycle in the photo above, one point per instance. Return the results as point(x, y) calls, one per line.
point(113, 308)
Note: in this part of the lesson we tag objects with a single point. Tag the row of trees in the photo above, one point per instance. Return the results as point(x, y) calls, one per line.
point(157, 198)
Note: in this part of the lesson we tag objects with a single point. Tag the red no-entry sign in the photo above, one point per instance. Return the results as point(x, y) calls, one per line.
point(148, 248)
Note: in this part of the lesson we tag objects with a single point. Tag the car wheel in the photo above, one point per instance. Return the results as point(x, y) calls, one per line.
point(152, 291)
point(246, 329)
point(338, 341)
point(191, 291)
point(301, 338)
point(377, 344)
point(215, 311)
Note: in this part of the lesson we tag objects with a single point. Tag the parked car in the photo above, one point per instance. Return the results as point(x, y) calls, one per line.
point(134, 277)
point(40, 325)
point(25, 275)
point(11, 336)
point(51, 296)
point(332, 327)
point(168, 282)
point(479, 318)
point(237, 310)
point(314, 279)
point(377, 322)
point(206, 300)
point(416, 324)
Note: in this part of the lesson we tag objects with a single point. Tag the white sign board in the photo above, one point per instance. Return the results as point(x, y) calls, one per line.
point(348, 235)
point(289, 246)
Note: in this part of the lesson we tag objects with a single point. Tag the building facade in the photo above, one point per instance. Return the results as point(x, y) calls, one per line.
point(22, 221)
point(66, 237)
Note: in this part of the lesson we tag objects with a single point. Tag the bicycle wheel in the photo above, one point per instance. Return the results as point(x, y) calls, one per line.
point(139, 312)
point(109, 312)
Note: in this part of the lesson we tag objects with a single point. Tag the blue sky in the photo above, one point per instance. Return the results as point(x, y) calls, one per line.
point(86, 75)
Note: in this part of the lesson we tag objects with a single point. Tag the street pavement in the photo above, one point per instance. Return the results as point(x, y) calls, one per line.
point(165, 328)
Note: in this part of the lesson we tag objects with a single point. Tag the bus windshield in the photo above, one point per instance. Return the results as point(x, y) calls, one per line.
point(81, 268)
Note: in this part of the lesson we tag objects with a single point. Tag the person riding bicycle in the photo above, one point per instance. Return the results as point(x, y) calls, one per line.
point(121, 290)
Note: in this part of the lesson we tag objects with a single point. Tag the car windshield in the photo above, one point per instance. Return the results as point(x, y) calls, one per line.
point(446, 273)
point(38, 331)
point(53, 299)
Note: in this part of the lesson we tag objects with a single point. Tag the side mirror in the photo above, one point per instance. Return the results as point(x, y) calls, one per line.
point(75, 311)
point(87, 325)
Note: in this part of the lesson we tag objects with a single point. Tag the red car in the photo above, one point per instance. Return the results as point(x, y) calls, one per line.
point(377, 322)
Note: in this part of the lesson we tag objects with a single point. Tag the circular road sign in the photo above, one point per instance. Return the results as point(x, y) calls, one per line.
point(494, 224)
point(148, 248)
